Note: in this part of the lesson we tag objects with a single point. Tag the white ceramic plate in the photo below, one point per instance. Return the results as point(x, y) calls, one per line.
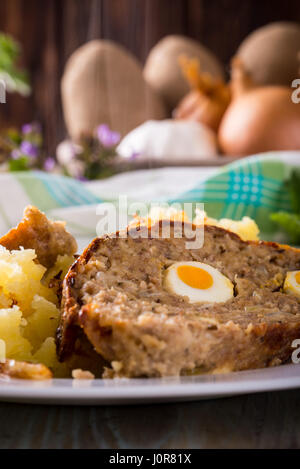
point(135, 391)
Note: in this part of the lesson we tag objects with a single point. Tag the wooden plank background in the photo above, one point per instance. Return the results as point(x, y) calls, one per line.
point(50, 30)
point(268, 420)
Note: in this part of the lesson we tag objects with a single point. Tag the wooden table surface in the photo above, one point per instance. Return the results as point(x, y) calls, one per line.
point(270, 420)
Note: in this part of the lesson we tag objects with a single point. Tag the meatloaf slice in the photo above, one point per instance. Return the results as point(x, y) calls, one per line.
point(115, 295)
point(48, 238)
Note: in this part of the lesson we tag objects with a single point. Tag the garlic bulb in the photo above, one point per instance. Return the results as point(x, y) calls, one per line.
point(170, 139)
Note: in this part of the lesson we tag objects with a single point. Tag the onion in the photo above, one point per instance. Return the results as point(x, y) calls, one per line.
point(259, 119)
point(208, 99)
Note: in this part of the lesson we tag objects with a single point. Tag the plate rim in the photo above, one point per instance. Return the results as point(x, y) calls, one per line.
point(135, 391)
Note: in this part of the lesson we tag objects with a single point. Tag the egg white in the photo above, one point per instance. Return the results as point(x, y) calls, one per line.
point(290, 284)
point(220, 291)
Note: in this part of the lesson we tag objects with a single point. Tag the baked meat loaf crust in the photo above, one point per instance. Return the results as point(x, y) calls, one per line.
point(48, 238)
point(115, 295)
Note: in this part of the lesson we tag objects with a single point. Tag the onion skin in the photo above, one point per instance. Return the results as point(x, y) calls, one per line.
point(208, 99)
point(263, 119)
point(195, 106)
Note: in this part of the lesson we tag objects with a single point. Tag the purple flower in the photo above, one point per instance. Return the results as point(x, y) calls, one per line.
point(29, 149)
point(15, 154)
point(107, 137)
point(27, 129)
point(31, 128)
point(49, 164)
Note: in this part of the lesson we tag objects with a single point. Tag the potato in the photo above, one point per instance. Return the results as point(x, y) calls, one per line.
point(270, 53)
point(163, 72)
point(57, 273)
point(246, 228)
point(103, 84)
point(11, 325)
point(28, 308)
point(20, 278)
point(47, 355)
point(42, 323)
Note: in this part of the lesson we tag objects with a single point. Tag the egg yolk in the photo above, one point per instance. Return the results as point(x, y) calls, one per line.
point(297, 277)
point(195, 277)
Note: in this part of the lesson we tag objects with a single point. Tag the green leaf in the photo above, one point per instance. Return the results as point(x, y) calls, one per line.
point(14, 136)
point(293, 185)
point(9, 46)
point(290, 223)
point(16, 80)
point(21, 164)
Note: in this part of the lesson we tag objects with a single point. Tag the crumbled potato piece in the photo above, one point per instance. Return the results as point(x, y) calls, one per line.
point(46, 354)
point(21, 279)
point(11, 332)
point(29, 314)
point(81, 374)
point(57, 273)
point(246, 228)
point(29, 293)
point(42, 323)
point(4, 301)
point(160, 213)
point(22, 370)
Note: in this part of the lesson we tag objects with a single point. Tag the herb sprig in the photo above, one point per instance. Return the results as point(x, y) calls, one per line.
point(15, 78)
point(290, 222)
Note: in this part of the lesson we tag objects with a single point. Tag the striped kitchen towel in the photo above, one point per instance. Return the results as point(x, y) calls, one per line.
point(47, 192)
point(253, 186)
